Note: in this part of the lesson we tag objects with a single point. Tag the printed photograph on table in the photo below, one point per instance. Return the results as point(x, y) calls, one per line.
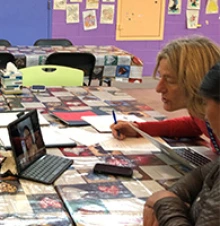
point(136, 113)
point(91, 177)
point(98, 72)
point(96, 191)
point(76, 151)
point(9, 186)
point(122, 72)
point(141, 160)
point(118, 160)
point(46, 203)
point(111, 60)
point(81, 209)
point(98, 151)
point(56, 106)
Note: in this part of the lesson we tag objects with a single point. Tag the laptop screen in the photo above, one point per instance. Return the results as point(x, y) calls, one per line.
point(26, 139)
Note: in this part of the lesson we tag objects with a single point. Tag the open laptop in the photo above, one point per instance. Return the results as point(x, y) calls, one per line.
point(185, 155)
point(30, 153)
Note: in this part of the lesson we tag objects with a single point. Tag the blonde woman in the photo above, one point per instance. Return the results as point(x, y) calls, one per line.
point(194, 199)
point(181, 66)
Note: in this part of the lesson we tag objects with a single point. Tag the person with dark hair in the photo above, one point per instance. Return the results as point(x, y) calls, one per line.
point(181, 66)
point(195, 198)
point(29, 146)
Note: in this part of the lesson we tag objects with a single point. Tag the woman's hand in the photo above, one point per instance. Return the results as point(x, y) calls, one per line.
point(122, 129)
point(149, 218)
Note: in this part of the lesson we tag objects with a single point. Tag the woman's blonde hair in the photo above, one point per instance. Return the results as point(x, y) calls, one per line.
point(190, 58)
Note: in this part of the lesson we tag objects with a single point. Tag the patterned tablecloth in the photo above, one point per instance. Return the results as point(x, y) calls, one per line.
point(111, 62)
point(79, 194)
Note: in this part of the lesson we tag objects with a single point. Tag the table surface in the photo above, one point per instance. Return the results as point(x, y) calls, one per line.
point(79, 194)
point(111, 61)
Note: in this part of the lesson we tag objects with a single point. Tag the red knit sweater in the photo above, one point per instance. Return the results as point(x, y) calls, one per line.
point(178, 127)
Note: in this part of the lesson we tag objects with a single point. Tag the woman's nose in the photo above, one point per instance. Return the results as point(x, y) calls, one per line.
point(161, 86)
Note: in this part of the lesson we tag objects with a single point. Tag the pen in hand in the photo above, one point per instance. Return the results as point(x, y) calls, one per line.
point(115, 121)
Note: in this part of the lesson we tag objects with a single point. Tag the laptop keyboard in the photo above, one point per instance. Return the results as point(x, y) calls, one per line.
point(47, 169)
point(192, 156)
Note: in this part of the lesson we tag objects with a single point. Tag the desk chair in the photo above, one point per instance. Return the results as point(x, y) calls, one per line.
point(53, 42)
point(4, 42)
point(79, 60)
point(52, 75)
point(5, 58)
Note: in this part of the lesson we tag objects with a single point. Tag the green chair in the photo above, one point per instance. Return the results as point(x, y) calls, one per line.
point(52, 75)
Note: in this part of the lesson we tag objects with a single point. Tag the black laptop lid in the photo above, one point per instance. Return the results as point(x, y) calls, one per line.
point(26, 140)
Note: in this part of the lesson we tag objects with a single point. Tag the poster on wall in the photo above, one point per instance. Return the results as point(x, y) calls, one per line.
point(193, 4)
point(107, 14)
point(92, 4)
point(192, 17)
point(59, 4)
point(212, 7)
point(89, 20)
point(174, 7)
point(108, 0)
point(75, 0)
point(72, 13)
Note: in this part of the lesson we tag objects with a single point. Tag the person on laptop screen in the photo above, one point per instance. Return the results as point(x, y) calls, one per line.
point(195, 198)
point(28, 144)
point(181, 66)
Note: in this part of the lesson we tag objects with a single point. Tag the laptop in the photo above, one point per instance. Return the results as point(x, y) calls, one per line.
point(184, 155)
point(30, 152)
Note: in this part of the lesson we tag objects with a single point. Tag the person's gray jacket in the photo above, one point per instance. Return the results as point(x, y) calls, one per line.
point(200, 189)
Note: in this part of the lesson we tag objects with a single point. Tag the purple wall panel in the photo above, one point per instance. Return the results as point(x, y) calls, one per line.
point(175, 26)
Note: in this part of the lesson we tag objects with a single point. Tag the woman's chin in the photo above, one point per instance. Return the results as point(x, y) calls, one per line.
point(167, 108)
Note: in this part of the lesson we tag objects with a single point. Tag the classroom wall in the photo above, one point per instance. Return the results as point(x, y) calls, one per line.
point(175, 26)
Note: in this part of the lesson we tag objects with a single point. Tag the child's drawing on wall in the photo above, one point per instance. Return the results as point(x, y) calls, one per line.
point(192, 18)
point(107, 14)
point(59, 4)
point(92, 4)
point(212, 7)
point(89, 20)
point(72, 13)
point(193, 4)
point(174, 6)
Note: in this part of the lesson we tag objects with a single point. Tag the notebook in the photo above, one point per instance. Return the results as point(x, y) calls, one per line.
point(30, 153)
point(74, 118)
point(185, 155)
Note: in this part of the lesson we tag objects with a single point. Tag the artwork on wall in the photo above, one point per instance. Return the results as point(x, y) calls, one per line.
point(75, 0)
point(89, 20)
point(92, 4)
point(174, 6)
point(108, 0)
point(72, 13)
point(59, 4)
point(107, 14)
point(193, 4)
point(212, 7)
point(192, 17)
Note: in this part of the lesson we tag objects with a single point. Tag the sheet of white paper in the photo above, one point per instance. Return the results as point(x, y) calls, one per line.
point(129, 144)
point(102, 122)
point(85, 137)
point(6, 118)
point(51, 137)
